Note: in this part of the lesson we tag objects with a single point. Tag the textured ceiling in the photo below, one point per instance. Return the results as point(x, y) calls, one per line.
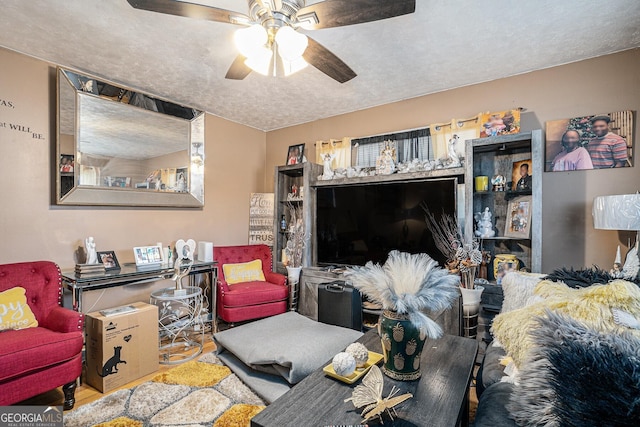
point(443, 45)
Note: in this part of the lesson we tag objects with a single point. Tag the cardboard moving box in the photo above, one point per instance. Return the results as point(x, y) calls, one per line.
point(122, 345)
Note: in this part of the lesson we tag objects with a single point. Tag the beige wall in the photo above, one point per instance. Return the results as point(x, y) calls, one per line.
point(605, 84)
point(31, 228)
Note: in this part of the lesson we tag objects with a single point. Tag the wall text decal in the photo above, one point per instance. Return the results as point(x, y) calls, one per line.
point(16, 127)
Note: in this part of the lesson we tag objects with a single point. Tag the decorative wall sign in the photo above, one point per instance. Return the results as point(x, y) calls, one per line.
point(600, 141)
point(261, 217)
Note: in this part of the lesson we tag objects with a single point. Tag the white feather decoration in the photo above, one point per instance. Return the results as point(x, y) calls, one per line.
point(408, 284)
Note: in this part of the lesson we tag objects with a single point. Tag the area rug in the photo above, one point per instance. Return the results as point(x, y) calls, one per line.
point(195, 394)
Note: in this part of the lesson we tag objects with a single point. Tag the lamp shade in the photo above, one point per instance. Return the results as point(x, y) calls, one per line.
point(291, 44)
point(620, 212)
point(251, 40)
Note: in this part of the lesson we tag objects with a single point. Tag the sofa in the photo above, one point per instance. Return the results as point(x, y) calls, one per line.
point(258, 293)
point(40, 342)
point(559, 356)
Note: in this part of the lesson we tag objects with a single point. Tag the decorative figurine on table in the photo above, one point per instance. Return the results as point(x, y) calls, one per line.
point(485, 224)
point(327, 172)
point(90, 247)
point(498, 183)
point(454, 160)
point(385, 163)
point(184, 260)
point(369, 395)
point(616, 271)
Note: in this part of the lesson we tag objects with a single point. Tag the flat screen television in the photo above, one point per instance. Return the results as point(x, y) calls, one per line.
point(361, 223)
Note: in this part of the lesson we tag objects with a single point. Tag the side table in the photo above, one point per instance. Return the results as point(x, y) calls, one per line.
point(129, 274)
point(181, 329)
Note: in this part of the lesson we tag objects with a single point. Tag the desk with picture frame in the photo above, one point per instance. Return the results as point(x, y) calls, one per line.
point(130, 274)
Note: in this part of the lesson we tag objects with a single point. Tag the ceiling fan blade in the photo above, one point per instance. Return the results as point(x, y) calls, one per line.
point(324, 60)
point(238, 69)
point(191, 10)
point(338, 13)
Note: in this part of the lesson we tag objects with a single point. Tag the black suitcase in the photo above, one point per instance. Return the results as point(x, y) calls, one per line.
point(340, 304)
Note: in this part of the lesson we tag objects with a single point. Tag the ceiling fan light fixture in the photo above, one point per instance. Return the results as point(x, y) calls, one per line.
point(251, 40)
point(291, 44)
point(260, 61)
point(291, 67)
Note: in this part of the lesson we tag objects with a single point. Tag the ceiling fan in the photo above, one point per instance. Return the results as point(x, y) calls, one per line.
point(271, 26)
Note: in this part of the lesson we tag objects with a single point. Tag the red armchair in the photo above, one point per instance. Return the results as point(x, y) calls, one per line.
point(36, 360)
point(249, 300)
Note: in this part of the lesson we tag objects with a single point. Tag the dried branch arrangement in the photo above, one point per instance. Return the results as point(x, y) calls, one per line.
point(297, 237)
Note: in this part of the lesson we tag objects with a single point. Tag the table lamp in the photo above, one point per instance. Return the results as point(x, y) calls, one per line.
point(620, 212)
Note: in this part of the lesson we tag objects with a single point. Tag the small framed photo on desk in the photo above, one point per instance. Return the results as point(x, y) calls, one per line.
point(147, 255)
point(109, 260)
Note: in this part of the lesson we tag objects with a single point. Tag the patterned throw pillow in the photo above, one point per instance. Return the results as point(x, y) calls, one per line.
point(243, 272)
point(15, 313)
point(576, 376)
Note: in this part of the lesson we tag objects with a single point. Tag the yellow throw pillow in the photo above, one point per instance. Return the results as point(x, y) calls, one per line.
point(243, 272)
point(15, 313)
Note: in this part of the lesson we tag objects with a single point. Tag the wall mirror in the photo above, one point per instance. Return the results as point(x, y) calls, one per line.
point(119, 147)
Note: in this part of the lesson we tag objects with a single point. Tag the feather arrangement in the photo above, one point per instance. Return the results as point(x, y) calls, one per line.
point(297, 237)
point(408, 284)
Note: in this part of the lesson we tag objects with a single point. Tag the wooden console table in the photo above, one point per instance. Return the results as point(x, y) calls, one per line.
point(440, 396)
point(129, 274)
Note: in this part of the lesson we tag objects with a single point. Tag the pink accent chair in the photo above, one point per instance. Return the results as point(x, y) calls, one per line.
point(36, 360)
point(250, 300)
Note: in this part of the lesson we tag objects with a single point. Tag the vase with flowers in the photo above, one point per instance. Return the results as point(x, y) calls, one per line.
point(405, 286)
point(464, 256)
point(294, 249)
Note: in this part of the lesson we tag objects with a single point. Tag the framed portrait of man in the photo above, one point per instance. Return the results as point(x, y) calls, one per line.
point(598, 141)
point(521, 176)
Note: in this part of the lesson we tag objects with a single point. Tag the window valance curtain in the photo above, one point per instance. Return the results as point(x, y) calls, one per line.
point(415, 144)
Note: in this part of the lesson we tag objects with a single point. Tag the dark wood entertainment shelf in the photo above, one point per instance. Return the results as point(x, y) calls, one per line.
point(396, 177)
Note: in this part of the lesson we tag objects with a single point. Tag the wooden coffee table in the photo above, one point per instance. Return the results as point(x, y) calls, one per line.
point(441, 395)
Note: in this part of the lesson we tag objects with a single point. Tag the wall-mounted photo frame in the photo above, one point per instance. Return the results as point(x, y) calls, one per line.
point(147, 255)
point(499, 123)
point(599, 141)
point(108, 259)
point(295, 154)
point(518, 223)
point(521, 176)
point(66, 163)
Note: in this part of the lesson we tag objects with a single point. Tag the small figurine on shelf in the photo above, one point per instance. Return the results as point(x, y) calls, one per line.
point(498, 183)
point(385, 163)
point(485, 224)
point(327, 172)
point(294, 191)
point(483, 272)
point(454, 159)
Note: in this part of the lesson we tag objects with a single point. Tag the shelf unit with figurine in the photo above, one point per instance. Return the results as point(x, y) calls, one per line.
point(495, 157)
point(293, 187)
